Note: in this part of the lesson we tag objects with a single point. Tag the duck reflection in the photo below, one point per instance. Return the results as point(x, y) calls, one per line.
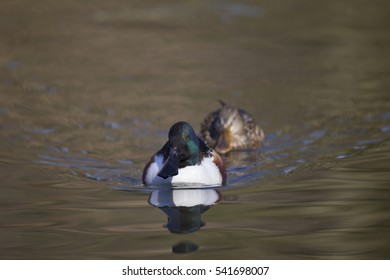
point(184, 207)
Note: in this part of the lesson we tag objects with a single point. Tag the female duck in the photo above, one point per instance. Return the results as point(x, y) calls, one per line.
point(230, 128)
point(184, 158)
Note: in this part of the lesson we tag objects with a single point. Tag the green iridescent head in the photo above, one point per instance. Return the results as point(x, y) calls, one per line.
point(183, 149)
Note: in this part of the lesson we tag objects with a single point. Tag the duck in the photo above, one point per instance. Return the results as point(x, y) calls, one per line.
point(230, 128)
point(184, 159)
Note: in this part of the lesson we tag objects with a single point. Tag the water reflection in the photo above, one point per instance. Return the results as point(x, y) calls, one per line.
point(184, 207)
point(184, 247)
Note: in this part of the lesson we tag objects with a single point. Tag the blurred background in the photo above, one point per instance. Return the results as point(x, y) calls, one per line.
point(89, 90)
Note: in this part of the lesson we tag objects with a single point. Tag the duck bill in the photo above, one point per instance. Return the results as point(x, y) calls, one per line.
point(171, 165)
point(224, 142)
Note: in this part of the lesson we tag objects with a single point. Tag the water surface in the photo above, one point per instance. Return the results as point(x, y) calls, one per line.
point(88, 92)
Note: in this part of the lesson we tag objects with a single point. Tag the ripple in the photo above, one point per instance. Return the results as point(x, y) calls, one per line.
point(343, 156)
point(385, 129)
point(113, 124)
point(43, 131)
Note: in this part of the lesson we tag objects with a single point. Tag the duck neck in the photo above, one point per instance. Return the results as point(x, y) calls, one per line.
point(193, 149)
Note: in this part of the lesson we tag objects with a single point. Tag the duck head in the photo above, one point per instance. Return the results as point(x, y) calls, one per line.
point(183, 149)
point(227, 128)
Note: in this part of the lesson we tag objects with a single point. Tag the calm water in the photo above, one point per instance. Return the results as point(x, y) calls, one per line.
point(89, 90)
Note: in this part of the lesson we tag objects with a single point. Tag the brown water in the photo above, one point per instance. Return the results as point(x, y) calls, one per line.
point(89, 89)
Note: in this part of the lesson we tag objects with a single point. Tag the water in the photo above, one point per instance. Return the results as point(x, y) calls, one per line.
point(88, 93)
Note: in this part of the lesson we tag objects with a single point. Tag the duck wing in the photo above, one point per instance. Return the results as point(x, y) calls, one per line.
point(255, 135)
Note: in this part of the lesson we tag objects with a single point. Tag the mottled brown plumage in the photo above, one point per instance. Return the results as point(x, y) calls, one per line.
point(230, 128)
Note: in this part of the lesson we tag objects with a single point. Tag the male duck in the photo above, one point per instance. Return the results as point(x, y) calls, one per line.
point(185, 158)
point(230, 128)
